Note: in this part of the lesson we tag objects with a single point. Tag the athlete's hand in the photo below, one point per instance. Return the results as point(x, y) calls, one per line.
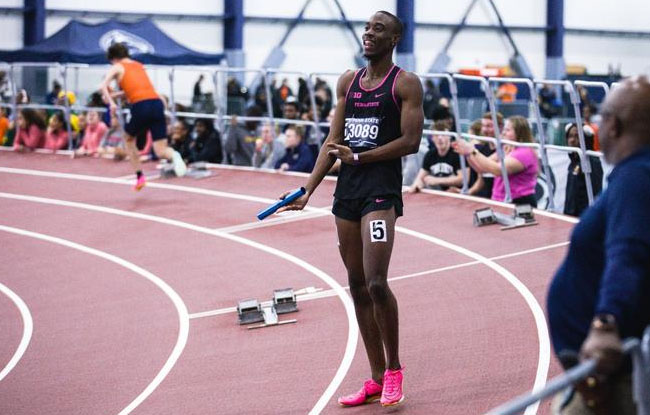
point(298, 204)
point(343, 153)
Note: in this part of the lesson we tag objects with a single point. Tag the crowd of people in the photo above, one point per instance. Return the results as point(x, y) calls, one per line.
point(250, 139)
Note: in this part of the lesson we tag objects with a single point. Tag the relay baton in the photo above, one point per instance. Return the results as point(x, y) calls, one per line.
point(282, 202)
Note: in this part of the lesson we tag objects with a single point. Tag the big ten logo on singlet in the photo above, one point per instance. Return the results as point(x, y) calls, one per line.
point(441, 170)
point(362, 132)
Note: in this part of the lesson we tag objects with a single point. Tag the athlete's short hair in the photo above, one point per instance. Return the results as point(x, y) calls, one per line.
point(117, 51)
point(398, 26)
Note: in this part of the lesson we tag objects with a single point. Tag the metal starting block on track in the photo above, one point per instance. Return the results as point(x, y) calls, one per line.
point(251, 311)
point(522, 216)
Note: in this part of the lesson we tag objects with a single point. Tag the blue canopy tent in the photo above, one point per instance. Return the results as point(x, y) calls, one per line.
point(79, 42)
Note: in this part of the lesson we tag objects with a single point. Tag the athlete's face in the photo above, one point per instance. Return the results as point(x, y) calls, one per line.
point(379, 37)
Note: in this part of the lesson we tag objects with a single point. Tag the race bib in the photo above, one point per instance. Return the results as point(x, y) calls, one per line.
point(362, 132)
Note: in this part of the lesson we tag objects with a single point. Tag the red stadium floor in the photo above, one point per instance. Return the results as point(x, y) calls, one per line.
point(115, 282)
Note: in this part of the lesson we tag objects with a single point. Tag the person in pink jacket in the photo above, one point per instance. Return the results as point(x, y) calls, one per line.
point(30, 133)
point(56, 136)
point(95, 131)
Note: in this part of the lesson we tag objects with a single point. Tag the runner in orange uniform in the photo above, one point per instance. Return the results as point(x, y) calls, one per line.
point(147, 109)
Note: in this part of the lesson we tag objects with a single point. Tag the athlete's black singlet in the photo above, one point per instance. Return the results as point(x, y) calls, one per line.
point(372, 119)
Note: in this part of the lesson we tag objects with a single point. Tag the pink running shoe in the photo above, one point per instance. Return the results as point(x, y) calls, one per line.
point(371, 392)
point(139, 183)
point(392, 392)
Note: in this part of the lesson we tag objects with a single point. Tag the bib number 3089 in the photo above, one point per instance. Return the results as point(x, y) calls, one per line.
point(378, 231)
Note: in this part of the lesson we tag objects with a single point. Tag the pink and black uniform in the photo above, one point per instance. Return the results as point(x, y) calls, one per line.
point(372, 119)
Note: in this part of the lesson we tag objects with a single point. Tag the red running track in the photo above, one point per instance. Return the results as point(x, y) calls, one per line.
point(102, 332)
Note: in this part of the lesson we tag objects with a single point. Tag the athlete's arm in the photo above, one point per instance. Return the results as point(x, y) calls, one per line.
point(114, 73)
point(325, 161)
point(409, 88)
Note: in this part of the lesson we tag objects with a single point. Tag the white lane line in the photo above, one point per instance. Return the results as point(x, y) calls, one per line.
point(100, 179)
point(28, 328)
point(538, 313)
point(330, 293)
point(183, 318)
point(353, 330)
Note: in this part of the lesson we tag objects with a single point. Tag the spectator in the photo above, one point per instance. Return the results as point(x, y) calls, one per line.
point(576, 200)
point(507, 92)
point(290, 110)
point(587, 112)
point(30, 131)
point(112, 144)
point(240, 142)
point(4, 126)
point(298, 156)
point(72, 99)
point(56, 136)
point(285, 91)
point(323, 91)
point(431, 99)
point(268, 150)
point(483, 184)
point(52, 96)
point(206, 146)
point(93, 134)
point(520, 162)
point(441, 166)
point(549, 104)
point(196, 94)
point(442, 113)
point(599, 295)
point(79, 135)
point(180, 139)
point(5, 87)
point(22, 97)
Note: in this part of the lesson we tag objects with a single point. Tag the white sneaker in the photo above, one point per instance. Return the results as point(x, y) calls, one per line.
point(179, 165)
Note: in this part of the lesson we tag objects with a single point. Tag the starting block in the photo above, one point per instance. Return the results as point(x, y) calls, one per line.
point(483, 217)
point(284, 301)
point(249, 311)
point(525, 212)
point(522, 216)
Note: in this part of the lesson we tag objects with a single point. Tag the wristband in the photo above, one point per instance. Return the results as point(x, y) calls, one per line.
point(355, 159)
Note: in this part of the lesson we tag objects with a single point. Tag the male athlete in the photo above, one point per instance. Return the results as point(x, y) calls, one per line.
point(378, 119)
point(147, 109)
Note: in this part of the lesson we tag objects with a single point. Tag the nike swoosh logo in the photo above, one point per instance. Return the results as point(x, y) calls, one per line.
point(380, 200)
point(378, 95)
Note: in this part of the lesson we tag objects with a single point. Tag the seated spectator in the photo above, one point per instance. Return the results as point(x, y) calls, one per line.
point(268, 149)
point(298, 156)
point(290, 110)
point(56, 136)
point(93, 134)
point(441, 166)
point(180, 139)
point(4, 126)
point(78, 136)
point(576, 200)
point(240, 141)
point(30, 131)
point(482, 186)
point(507, 92)
point(520, 162)
point(112, 144)
point(587, 112)
point(206, 146)
point(431, 99)
point(53, 95)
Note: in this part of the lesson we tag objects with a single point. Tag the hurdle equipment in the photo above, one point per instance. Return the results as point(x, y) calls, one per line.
point(249, 311)
point(484, 216)
point(284, 301)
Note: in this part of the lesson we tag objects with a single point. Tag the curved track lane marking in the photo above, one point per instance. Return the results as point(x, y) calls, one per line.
point(353, 330)
point(183, 317)
point(544, 342)
point(28, 329)
point(538, 313)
